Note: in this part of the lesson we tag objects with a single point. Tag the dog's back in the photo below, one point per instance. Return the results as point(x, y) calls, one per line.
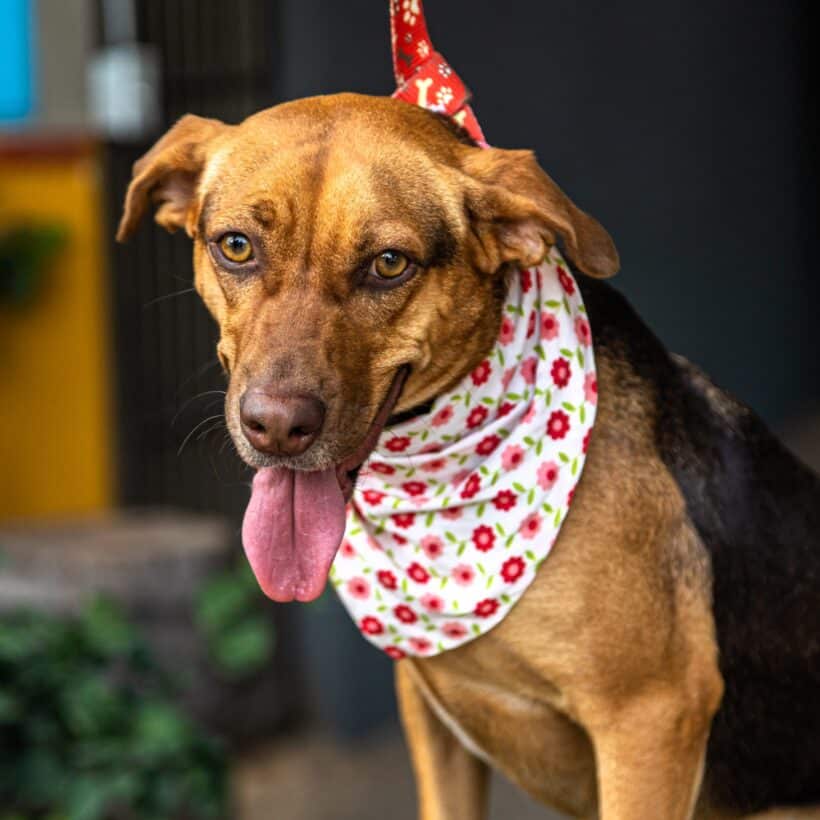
point(757, 510)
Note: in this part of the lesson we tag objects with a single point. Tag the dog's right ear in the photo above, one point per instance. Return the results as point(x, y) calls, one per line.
point(168, 175)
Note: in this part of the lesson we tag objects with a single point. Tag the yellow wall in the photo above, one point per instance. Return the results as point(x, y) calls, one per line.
point(55, 417)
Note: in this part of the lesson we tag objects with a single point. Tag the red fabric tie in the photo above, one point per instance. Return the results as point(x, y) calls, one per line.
point(423, 76)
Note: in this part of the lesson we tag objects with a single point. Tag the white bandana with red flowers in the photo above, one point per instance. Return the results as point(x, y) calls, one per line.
point(456, 509)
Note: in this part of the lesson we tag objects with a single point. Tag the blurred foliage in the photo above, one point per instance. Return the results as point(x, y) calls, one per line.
point(25, 252)
point(232, 618)
point(88, 730)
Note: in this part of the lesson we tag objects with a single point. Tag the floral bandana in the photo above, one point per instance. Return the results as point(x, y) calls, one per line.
point(455, 509)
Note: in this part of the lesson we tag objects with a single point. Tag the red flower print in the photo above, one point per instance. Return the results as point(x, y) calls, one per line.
point(558, 424)
point(528, 368)
point(463, 574)
point(512, 457)
point(418, 573)
point(373, 496)
point(386, 578)
point(505, 409)
point(505, 500)
point(414, 487)
point(435, 465)
point(358, 588)
point(384, 469)
point(432, 545)
point(403, 520)
point(583, 332)
point(507, 332)
point(399, 539)
point(487, 445)
point(432, 447)
point(394, 652)
point(585, 442)
point(451, 513)
point(483, 538)
point(454, 630)
point(442, 416)
point(432, 603)
point(405, 614)
point(481, 373)
point(566, 281)
point(460, 476)
point(547, 475)
point(471, 487)
point(530, 414)
point(530, 525)
point(477, 416)
point(421, 646)
point(398, 444)
point(347, 550)
point(371, 626)
point(549, 326)
point(591, 388)
point(570, 496)
point(560, 372)
point(486, 608)
point(506, 378)
point(531, 325)
point(512, 569)
point(526, 281)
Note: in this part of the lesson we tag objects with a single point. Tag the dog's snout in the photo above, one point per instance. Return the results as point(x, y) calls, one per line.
point(281, 425)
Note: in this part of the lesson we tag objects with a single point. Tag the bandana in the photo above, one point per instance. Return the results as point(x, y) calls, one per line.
point(455, 509)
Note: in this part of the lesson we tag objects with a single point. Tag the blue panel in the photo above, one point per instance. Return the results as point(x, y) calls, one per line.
point(16, 59)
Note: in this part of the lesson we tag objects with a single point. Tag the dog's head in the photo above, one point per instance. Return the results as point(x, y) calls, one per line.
point(353, 251)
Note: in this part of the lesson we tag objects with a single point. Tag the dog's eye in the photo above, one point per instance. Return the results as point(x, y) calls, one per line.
point(236, 248)
point(389, 264)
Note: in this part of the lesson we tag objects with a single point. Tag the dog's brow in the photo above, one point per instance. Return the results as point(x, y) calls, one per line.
point(264, 212)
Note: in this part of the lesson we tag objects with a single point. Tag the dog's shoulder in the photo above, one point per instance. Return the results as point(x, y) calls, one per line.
point(757, 510)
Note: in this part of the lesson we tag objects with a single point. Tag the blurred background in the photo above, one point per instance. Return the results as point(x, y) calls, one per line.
point(141, 672)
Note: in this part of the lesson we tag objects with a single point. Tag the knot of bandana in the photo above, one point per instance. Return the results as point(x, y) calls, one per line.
point(423, 76)
point(456, 509)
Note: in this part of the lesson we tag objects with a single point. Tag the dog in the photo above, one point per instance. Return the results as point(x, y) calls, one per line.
point(665, 661)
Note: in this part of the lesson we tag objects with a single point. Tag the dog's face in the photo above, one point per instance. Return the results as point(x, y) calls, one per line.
point(353, 251)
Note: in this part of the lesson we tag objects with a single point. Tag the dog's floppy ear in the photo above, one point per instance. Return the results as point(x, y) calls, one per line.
point(515, 210)
point(168, 174)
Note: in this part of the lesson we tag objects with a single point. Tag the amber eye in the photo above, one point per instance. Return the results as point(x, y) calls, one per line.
point(236, 247)
point(390, 264)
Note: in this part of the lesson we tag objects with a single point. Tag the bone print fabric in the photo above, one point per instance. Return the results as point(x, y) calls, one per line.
point(423, 76)
point(455, 509)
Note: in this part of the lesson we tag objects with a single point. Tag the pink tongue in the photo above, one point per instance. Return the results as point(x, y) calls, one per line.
point(293, 526)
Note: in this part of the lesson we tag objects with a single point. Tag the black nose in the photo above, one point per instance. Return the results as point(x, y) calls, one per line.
point(280, 425)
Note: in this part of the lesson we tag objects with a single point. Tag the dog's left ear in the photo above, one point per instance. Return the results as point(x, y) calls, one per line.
point(516, 210)
point(169, 175)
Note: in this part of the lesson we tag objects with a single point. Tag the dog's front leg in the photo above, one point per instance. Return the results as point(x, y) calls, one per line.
point(451, 783)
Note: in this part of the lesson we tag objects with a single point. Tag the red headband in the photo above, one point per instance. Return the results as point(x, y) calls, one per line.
point(423, 76)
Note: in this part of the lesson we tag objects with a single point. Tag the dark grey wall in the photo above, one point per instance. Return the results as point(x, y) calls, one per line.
point(684, 126)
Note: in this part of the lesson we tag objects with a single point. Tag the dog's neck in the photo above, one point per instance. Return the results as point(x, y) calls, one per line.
point(460, 503)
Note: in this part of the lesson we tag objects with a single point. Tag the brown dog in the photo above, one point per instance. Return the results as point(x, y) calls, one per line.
point(682, 595)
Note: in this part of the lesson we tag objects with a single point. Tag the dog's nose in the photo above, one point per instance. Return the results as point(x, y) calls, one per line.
point(281, 425)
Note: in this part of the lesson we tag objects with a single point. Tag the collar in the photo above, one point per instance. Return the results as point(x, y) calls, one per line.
point(457, 507)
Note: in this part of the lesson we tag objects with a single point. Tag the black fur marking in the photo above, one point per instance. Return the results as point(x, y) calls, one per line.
point(757, 510)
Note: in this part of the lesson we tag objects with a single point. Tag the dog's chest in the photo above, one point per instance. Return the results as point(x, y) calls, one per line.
point(528, 740)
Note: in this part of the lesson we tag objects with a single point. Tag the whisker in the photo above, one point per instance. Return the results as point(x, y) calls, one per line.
point(194, 429)
point(194, 398)
point(167, 296)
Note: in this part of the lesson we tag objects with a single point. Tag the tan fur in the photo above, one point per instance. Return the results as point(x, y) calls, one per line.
point(596, 693)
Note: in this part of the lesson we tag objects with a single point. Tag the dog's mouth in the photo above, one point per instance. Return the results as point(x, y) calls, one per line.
point(295, 519)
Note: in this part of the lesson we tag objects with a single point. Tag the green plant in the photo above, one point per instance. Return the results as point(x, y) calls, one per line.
point(25, 253)
point(88, 729)
point(229, 612)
